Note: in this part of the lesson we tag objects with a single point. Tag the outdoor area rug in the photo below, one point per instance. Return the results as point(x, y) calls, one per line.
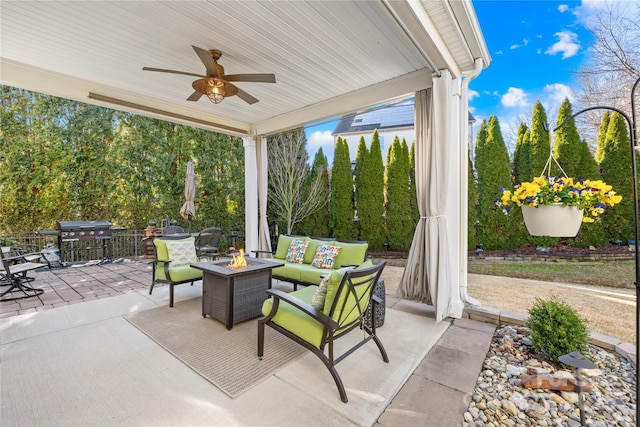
point(228, 359)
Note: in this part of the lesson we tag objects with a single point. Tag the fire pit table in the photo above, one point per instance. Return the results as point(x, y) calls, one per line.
point(232, 295)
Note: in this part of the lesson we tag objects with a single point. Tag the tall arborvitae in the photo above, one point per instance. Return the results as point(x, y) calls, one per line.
point(496, 230)
point(592, 234)
point(399, 224)
point(616, 167)
point(526, 171)
point(341, 202)
point(360, 178)
point(370, 196)
point(602, 136)
point(413, 195)
point(521, 156)
point(481, 141)
point(539, 140)
point(567, 146)
point(472, 202)
point(317, 224)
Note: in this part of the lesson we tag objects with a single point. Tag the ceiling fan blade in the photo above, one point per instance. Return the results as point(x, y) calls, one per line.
point(207, 60)
point(258, 78)
point(194, 96)
point(249, 99)
point(161, 70)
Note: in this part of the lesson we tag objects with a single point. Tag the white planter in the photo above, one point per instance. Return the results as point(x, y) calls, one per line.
point(552, 220)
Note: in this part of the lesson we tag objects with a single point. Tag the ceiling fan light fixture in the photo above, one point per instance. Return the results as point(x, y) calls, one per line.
point(215, 90)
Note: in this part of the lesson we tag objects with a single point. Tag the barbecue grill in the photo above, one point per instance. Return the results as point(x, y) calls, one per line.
point(74, 236)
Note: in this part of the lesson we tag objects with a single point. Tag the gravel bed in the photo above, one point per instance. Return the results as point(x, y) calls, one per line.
point(500, 399)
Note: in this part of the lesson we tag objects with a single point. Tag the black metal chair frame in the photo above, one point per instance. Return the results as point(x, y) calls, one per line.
point(334, 328)
point(14, 274)
point(207, 241)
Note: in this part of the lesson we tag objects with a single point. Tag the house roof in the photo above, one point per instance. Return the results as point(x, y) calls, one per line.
point(329, 57)
point(395, 116)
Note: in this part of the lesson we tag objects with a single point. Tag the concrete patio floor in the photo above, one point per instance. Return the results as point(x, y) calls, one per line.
point(68, 357)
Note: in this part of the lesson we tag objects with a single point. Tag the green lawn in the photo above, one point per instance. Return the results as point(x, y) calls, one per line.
point(617, 274)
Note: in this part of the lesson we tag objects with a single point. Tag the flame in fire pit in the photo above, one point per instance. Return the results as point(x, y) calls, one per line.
point(238, 261)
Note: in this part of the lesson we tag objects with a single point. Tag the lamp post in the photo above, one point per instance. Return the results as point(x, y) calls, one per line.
point(632, 124)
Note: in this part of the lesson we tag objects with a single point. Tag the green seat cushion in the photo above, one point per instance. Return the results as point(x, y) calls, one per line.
point(178, 273)
point(290, 270)
point(313, 274)
point(294, 320)
point(350, 254)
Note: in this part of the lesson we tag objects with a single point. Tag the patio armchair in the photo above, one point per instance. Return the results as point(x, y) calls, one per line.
point(15, 266)
point(316, 316)
point(207, 241)
point(172, 262)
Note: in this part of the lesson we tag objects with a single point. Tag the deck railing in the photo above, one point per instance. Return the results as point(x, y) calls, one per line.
point(124, 243)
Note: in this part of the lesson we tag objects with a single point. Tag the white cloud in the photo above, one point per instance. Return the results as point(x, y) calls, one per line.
point(473, 94)
point(499, 52)
point(567, 44)
point(563, 8)
point(516, 46)
point(320, 139)
point(515, 97)
point(558, 92)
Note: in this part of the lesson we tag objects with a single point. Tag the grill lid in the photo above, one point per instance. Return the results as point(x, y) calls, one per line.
point(82, 225)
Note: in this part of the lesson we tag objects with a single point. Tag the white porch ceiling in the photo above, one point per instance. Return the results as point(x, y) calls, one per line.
point(329, 57)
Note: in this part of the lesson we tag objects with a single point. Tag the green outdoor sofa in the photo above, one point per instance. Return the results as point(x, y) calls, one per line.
point(303, 272)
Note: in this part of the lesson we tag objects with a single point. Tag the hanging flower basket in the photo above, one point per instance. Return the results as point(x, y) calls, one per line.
point(556, 207)
point(552, 220)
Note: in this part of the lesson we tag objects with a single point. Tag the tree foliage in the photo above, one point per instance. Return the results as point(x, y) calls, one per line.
point(370, 194)
point(399, 220)
point(65, 160)
point(496, 230)
point(317, 223)
point(567, 146)
point(539, 140)
point(341, 202)
point(615, 166)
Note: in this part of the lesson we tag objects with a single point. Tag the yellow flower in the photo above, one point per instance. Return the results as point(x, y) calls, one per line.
point(587, 219)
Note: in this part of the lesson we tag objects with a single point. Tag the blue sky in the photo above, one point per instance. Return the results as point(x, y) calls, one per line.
point(535, 46)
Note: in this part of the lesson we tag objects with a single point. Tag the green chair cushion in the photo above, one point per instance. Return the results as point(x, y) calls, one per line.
point(290, 270)
point(294, 320)
point(283, 246)
point(350, 254)
point(179, 273)
point(313, 275)
point(334, 283)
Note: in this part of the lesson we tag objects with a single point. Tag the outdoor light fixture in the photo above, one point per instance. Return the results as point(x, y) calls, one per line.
point(215, 90)
point(632, 123)
point(578, 361)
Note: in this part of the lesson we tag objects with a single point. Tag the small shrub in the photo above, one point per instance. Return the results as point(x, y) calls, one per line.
point(556, 329)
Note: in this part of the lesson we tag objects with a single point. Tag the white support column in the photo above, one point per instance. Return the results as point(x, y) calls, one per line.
point(250, 195)
point(454, 200)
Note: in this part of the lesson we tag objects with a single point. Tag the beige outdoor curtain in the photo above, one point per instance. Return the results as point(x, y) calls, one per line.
point(427, 277)
point(264, 238)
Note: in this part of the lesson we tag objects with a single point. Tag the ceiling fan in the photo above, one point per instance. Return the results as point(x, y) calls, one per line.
point(216, 84)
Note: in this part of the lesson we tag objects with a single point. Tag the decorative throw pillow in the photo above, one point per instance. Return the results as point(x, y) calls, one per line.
point(296, 251)
point(181, 252)
point(321, 293)
point(325, 256)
